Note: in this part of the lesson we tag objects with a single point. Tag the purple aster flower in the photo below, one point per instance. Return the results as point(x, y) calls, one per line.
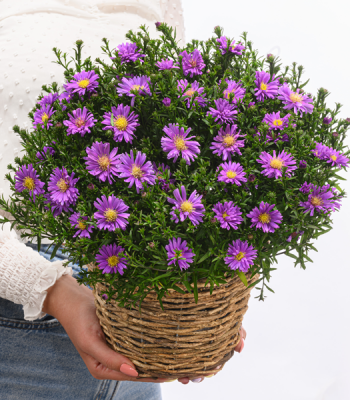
point(228, 215)
point(42, 117)
point(191, 208)
point(232, 173)
point(265, 219)
point(235, 89)
point(232, 48)
point(105, 296)
point(80, 122)
point(110, 259)
point(158, 24)
point(305, 187)
point(192, 63)
point(111, 213)
point(139, 84)
point(295, 101)
point(224, 112)
point(275, 121)
point(128, 52)
point(102, 163)
point(82, 82)
point(293, 235)
point(122, 122)
point(136, 171)
point(179, 253)
point(336, 158)
point(327, 121)
point(62, 187)
point(227, 142)
point(302, 164)
point(64, 96)
point(276, 136)
point(49, 99)
point(321, 151)
point(320, 200)
point(166, 101)
point(182, 86)
point(177, 142)
point(240, 255)
point(265, 89)
point(166, 65)
point(273, 164)
point(79, 222)
point(57, 208)
point(28, 179)
point(42, 154)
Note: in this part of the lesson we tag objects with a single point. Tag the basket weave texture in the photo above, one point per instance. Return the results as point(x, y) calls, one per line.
point(187, 339)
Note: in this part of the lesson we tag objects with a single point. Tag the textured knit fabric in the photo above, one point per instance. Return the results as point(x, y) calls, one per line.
point(25, 275)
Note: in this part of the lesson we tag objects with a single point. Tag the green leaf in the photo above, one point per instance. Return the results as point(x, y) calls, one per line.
point(204, 257)
point(187, 285)
point(54, 251)
point(242, 277)
point(178, 289)
point(339, 177)
point(195, 289)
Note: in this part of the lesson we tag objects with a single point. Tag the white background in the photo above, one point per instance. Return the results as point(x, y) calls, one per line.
point(297, 346)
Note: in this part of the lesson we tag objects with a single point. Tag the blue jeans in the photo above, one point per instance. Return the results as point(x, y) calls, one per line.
point(38, 361)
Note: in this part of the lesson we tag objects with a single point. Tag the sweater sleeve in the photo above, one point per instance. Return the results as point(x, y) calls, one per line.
point(25, 275)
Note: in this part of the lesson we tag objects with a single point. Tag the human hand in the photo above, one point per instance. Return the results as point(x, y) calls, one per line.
point(74, 306)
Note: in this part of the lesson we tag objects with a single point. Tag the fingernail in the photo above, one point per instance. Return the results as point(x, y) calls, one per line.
point(209, 376)
point(242, 346)
point(218, 367)
point(173, 380)
point(127, 370)
point(197, 380)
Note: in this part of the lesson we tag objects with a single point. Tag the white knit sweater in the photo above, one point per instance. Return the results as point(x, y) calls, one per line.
point(28, 32)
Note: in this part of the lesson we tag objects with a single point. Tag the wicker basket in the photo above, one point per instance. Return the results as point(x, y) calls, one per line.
point(184, 340)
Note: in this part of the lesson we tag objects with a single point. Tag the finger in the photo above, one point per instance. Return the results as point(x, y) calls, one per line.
point(240, 345)
point(99, 371)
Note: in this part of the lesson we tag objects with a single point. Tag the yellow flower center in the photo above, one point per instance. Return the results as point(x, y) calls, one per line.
point(62, 185)
point(334, 158)
point(121, 123)
point(232, 46)
point(81, 225)
point(264, 218)
point(29, 183)
point(277, 122)
point(83, 83)
point(224, 215)
point(316, 201)
point(228, 92)
point(263, 86)
point(104, 162)
point(136, 172)
point(193, 63)
point(229, 140)
point(179, 255)
point(230, 174)
point(239, 256)
point(79, 122)
point(180, 143)
point(113, 261)
point(295, 97)
point(111, 215)
point(276, 163)
point(137, 87)
point(44, 118)
point(187, 206)
point(189, 92)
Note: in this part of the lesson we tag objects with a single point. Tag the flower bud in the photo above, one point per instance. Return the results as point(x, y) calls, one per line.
point(94, 95)
point(347, 120)
point(166, 101)
point(327, 121)
point(151, 245)
point(250, 236)
point(58, 125)
point(91, 186)
point(158, 24)
point(105, 297)
point(144, 194)
point(213, 220)
point(251, 178)
point(302, 164)
point(335, 134)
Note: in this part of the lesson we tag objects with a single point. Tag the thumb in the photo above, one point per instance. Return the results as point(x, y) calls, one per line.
point(99, 350)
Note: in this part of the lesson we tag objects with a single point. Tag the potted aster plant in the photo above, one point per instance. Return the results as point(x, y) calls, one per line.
point(174, 178)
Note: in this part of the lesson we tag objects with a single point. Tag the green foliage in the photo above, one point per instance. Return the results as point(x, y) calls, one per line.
point(150, 227)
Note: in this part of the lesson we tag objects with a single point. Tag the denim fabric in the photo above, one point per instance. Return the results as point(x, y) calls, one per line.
point(38, 361)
